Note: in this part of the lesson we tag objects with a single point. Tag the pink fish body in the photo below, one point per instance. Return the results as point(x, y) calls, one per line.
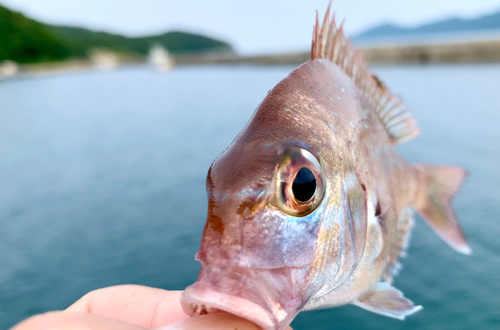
point(311, 206)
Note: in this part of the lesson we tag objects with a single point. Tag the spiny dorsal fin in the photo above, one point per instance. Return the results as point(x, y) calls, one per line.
point(330, 43)
point(399, 245)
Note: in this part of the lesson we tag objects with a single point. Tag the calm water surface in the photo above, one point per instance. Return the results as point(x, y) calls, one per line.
point(102, 180)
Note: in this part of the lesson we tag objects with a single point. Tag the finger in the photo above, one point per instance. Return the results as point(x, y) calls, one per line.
point(143, 306)
point(74, 321)
point(217, 321)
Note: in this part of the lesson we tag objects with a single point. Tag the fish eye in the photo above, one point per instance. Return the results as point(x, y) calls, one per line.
point(304, 185)
point(300, 182)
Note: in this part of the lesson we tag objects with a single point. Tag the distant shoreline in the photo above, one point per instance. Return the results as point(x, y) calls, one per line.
point(471, 51)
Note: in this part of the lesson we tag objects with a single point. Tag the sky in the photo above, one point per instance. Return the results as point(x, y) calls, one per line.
point(251, 26)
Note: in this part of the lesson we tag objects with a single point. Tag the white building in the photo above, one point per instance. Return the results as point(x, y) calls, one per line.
point(159, 58)
point(8, 69)
point(104, 60)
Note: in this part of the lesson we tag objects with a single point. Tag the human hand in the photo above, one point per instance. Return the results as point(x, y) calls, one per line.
point(131, 307)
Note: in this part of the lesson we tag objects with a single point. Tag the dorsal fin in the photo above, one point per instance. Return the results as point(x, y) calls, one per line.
point(330, 43)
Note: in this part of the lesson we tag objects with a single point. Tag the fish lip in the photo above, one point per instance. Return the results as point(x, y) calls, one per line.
point(200, 299)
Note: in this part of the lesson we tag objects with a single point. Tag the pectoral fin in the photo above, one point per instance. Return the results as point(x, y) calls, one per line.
point(386, 300)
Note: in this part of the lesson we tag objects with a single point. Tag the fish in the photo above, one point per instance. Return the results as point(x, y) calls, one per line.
point(311, 206)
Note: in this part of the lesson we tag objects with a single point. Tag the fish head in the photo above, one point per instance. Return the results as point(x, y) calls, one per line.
point(282, 210)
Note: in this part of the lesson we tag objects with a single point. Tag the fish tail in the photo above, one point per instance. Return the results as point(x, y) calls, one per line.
point(438, 186)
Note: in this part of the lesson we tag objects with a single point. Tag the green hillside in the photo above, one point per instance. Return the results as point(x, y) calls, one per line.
point(26, 41)
point(82, 40)
point(181, 42)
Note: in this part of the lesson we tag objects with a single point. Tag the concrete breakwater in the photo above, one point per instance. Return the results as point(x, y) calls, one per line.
point(455, 51)
point(449, 52)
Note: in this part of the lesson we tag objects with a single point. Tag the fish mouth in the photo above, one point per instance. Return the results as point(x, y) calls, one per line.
point(200, 299)
point(245, 293)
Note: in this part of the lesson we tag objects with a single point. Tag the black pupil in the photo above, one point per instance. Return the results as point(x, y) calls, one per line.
point(304, 185)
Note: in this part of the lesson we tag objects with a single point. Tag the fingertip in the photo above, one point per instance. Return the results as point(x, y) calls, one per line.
point(216, 321)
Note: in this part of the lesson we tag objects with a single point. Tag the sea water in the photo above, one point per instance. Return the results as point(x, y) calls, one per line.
point(102, 182)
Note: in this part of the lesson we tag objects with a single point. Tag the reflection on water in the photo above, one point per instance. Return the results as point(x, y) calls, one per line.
point(102, 182)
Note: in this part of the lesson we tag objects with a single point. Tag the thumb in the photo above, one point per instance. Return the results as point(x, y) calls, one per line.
point(217, 321)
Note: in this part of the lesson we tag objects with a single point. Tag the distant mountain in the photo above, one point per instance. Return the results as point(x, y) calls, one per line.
point(25, 40)
point(82, 40)
point(488, 22)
